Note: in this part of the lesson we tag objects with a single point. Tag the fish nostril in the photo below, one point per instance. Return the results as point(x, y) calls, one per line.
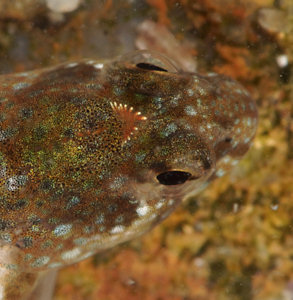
point(150, 67)
point(173, 177)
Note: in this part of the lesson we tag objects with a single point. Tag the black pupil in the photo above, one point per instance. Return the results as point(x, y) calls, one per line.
point(150, 67)
point(173, 177)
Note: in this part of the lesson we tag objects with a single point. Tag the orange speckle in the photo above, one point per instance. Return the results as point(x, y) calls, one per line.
point(236, 64)
point(162, 8)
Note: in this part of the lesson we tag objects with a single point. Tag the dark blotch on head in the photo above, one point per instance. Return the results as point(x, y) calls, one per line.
point(40, 132)
point(46, 185)
point(27, 241)
point(68, 132)
point(206, 164)
point(112, 208)
point(26, 113)
point(3, 225)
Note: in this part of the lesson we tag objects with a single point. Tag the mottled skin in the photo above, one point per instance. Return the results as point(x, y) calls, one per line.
point(78, 171)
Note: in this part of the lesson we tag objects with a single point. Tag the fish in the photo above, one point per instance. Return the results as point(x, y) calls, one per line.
point(95, 153)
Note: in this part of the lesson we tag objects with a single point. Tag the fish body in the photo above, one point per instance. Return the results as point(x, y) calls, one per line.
point(93, 154)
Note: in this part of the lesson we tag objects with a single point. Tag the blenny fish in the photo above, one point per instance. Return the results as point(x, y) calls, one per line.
point(93, 153)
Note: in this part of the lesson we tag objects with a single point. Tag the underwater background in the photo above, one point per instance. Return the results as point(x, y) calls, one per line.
point(235, 239)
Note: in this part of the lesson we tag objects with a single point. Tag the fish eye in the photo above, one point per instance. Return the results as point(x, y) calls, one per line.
point(150, 60)
point(173, 177)
point(150, 67)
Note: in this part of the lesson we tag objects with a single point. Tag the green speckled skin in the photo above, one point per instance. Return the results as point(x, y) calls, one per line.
point(82, 144)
